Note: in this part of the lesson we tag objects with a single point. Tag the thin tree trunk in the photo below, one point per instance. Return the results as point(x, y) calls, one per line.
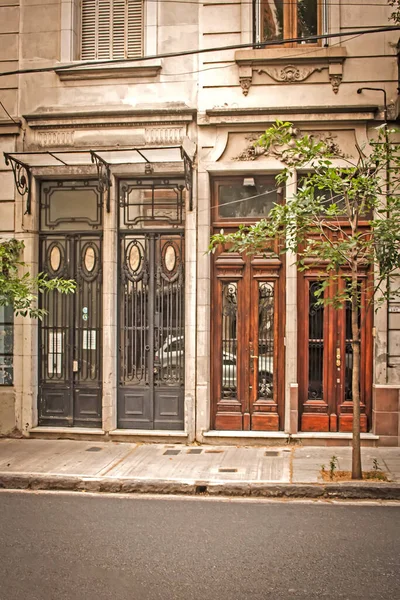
point(356, 471)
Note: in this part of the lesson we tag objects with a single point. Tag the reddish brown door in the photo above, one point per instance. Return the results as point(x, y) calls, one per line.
point(247, 350)
point(325, 360)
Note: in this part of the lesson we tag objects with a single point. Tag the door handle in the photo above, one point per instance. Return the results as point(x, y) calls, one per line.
point(75, 367)
point(338, 357)
point(252, 357)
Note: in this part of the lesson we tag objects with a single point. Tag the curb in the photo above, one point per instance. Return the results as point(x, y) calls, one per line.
point(355, 491)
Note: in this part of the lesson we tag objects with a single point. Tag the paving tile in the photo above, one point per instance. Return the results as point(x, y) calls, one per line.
point(244, 464)
point(65, 457)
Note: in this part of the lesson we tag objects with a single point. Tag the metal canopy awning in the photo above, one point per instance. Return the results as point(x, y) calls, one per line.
point(104, 159)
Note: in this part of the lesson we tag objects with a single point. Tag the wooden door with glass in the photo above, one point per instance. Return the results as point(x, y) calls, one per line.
point(247, 325)
point(325, 357)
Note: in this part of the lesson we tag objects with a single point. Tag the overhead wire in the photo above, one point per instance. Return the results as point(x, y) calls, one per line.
point(252, 45)
point(231, 64)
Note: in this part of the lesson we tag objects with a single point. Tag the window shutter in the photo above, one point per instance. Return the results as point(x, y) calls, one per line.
point(104, 29)
point(88, 43)
point(112, 29)
point(135, 28)
point(118, 24)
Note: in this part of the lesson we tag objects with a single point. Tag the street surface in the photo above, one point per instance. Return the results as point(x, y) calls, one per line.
point(59, 546)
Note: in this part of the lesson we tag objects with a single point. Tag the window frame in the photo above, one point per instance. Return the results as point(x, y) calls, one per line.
point(290, 22)
point(111, 40)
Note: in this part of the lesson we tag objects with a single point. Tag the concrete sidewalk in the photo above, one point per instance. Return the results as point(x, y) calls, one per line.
point(163, 468)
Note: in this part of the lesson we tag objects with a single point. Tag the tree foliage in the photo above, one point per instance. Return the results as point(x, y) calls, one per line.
point(395, 16)
point(21, 290)
point(344, 220)
point(340, 216)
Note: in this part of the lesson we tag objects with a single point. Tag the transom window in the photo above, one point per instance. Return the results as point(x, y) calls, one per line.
point(111, 29)
point(285, 19)
point(245, 198)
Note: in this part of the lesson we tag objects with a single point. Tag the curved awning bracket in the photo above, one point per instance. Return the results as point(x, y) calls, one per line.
point(22, 178)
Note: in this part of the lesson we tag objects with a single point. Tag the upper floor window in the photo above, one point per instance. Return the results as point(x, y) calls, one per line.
point(112, 29)
point(6, 344)
point(286, 19)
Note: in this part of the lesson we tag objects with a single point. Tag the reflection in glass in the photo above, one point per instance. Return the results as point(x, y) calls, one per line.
point(162, 203)
point(69, 205)
point(315, 344)
point(348, 377)
point(307, 19)
point(272, 16)
point(229, 339)
point(265, 339)
point(6, 345)
point(238, 201)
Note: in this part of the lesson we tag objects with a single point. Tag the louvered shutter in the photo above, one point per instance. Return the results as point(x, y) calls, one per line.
point(112, 29)
point(89, 27)
point(135, 28)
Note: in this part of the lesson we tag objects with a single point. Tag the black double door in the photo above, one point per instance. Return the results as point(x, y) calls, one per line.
point(70, 334)
point(151, 331)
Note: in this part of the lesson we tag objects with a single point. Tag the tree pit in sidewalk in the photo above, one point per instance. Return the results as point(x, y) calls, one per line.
point(374, 475)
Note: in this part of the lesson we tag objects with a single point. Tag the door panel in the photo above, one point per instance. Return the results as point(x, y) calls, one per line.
point(247, 351)
point(326, 359)
point(70, 334)
point(151, 326)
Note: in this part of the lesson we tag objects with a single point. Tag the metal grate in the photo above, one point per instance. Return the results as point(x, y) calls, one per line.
point(195, 451)
point(93, 449)
point(227, 470)
point(171, 452)
point(272, 453)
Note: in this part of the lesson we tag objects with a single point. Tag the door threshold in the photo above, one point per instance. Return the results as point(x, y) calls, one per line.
point(245, 434)
point(149, 432)
point(331, 435)
point(85, 430)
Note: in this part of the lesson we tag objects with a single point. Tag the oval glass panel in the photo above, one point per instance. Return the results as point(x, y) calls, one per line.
point(90, 259)
point(170, 258)
point(134, 258)
point(55, 258)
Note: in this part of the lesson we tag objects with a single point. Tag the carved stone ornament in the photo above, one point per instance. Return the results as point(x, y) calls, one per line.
point(252, 152)
point(335, 81)
point(290, 73)
point(245, 83)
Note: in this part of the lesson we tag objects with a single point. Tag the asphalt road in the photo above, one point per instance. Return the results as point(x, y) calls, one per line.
point(86, 547)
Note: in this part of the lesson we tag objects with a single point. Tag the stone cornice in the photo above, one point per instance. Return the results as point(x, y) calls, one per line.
point(110, 71)
point(119, 117)
point(258, 115)
point(8, 127)
point(289, 65)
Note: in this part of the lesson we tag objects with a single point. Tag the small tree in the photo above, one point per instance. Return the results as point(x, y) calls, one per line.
point(21, 291)
point(346, 219)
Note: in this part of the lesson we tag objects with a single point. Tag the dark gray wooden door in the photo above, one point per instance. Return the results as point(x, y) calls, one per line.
point(151, 331)
point(70, 335)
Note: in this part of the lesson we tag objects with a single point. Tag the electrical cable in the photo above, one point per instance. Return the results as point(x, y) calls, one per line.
point(232, 63)
point(251, 45)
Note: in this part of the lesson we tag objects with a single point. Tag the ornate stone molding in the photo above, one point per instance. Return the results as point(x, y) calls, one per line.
point(162, 135)
point(245, 83)
point(282, 66)
point(290, 73)
point(54, 138)
point(252, 152)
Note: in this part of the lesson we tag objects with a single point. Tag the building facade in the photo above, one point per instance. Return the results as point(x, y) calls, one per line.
point(116, 173)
